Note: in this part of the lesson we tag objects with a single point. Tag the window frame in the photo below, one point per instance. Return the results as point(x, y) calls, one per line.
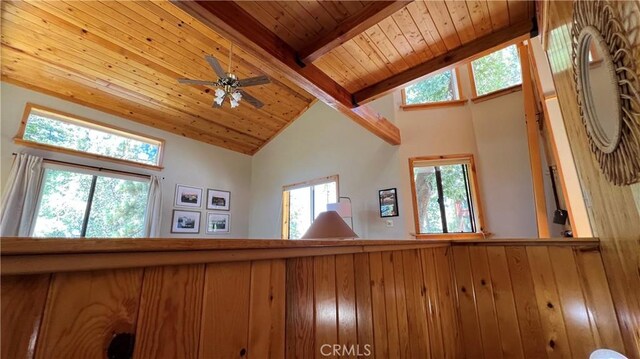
point(87, 170)
point(475, 98)
point(286, 199)
point(85, 122)
point(473, 187)
point(418, 106)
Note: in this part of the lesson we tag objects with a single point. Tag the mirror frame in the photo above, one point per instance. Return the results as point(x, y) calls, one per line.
point(618, 157)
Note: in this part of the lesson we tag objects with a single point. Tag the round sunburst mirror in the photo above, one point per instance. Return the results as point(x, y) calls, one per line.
point(607, 90)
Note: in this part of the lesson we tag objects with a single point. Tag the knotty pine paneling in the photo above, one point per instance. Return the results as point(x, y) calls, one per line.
point(84, 310)
point(614, 211)
point(395, 304)
point(22, 305)
point(533, 302)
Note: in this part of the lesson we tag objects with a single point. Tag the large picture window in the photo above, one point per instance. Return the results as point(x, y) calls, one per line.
point(444, 195)
point(75, 202)
point(303, 202)
point(52, 130)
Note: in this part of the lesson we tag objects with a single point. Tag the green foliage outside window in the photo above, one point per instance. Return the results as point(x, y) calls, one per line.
point(118, 206)
point(50, 131)
point(497, 71)
point(436, 88)
point(456, 202)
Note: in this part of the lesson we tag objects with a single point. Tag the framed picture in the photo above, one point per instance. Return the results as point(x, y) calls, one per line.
point(218, 200)
point(185, 221)
point(389, 203)
point(218, 223)
point(187, 196)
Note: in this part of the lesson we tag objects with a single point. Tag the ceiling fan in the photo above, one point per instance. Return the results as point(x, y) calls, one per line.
point(229, 85)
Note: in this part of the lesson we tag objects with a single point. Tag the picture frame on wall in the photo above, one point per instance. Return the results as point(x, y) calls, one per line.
point(218, 200)
point(188, 196)
point(185, 221)
point(388, 203)
point(218, 223)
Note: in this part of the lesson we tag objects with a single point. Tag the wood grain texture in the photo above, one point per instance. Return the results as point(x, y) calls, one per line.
point(166, 312)
point(85, 310)
point(532, 302)
point(300, 322)
point(267, 309)
point(614, 213)
point(22, 300)
point(225, 311)
point(120, 57)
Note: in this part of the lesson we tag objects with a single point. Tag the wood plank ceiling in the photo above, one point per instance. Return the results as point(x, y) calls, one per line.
point(123, 57)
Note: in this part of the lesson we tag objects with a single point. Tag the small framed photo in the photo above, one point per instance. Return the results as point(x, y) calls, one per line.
point(218, 200)
point(218, 223)
point(187, 196)
point(389, 203)
point(185, 221)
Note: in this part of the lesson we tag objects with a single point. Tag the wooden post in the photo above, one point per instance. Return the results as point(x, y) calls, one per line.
point(534, 144)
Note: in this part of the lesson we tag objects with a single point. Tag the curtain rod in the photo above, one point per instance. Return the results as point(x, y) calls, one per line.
point(100, 169)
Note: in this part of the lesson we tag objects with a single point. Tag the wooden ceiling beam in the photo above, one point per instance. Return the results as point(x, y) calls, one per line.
point(350, 28)
point(511, 34)
point(234, 23)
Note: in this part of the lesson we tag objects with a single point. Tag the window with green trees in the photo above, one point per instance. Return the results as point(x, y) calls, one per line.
point(441, 87)
point(444, 197)
point(497, 71)
point(304, 202)
point(50, 128)
point(78, 203)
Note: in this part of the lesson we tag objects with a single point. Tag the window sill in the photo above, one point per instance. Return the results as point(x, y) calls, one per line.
point(451, 236)
point(423, 106)
point(498, 93)
point(67, 151)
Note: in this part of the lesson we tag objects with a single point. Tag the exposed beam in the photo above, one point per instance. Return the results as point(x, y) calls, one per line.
point(517, 32)
point(534, 144)
point(234, 23)
point(350, 28)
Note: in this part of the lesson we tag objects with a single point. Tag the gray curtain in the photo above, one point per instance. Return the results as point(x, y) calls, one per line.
point(20, 196)
point(154, 208)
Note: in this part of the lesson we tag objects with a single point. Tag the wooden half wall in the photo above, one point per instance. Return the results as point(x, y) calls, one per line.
point(382, 299)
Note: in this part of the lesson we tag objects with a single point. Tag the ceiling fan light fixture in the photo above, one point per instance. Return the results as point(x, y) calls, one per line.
point(220, 92)
point(236, 95)
point(219, 100)
point(234, 103)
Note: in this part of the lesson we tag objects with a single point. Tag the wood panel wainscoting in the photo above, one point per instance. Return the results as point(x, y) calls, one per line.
point(614, 211)
point(305, 299)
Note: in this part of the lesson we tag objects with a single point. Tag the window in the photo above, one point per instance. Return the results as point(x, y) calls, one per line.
point(80, 203)
point(61, 132)
point(444, 195)
point(439, 88)
point(497, 71)
point(303, 202)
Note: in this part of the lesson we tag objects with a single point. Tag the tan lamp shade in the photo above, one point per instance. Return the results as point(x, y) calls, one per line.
point(329, 225)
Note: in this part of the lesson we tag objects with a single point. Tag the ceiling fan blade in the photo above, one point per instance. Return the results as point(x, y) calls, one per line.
point(253, 81)
point(215, 104)
point(252, 100)
point(196, 82)
point(215, 65)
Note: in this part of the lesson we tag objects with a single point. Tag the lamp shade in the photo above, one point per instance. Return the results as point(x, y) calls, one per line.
point(343, 208)
point(329, 225)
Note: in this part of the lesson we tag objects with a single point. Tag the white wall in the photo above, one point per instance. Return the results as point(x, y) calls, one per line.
point(185, 161)
point(503, 166)
point(320, 143)
point(323, 142)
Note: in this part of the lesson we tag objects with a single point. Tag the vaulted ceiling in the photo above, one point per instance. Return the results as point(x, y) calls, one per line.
point(124, 57)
